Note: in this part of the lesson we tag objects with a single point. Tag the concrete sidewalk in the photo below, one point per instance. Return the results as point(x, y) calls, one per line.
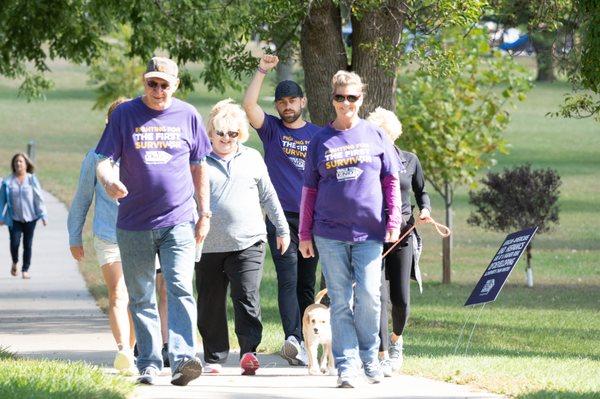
point(52, 316)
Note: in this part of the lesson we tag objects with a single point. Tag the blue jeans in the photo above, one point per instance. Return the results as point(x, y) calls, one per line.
point(176, 247)
point(17, 230)
point(354, 312)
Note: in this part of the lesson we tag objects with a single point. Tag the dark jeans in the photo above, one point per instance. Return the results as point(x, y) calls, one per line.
point(295, 278)
point(25, 229)
point(214, 273)
point(397, 269)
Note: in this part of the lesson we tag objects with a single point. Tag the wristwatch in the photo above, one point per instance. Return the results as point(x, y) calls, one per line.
point(206, 214)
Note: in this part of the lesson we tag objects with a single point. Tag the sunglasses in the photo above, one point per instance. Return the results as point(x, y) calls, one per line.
point(230, 134)
point(153, 84)
point(339, 98)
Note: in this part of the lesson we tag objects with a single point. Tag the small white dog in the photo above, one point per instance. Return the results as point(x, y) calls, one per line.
point(316, 327)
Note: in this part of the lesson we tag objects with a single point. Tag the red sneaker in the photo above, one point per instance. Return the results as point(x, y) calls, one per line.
point(249, 364)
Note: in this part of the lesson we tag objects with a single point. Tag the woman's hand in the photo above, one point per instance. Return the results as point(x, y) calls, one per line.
point(392, 235)
point(283, 243)
point(425, 216)
point(306, 249)
point(77, 252)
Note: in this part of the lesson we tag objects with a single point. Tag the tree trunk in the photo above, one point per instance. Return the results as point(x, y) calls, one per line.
point(529, 270)
point(284, 70)
point(383, 26)
point(285, 52)
point(447, 241)
point(323, 54)
point(543, 43)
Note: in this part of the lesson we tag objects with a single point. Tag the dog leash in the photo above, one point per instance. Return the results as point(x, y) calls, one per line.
point(442, 230)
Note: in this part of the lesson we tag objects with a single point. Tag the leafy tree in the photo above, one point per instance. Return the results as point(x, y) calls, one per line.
point(516, 199)
point(583, 63)
point(544, 20)
point(452, 101)
point(115, 74)
point(216, 33)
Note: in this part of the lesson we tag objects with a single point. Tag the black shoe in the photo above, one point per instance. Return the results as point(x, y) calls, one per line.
point(188, 370)
point(165, 355)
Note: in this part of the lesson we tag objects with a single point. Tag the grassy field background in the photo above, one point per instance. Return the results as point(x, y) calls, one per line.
point(531, 343)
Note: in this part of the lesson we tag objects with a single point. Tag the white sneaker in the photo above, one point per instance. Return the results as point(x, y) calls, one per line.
point(291, 351)
point(302, 357)
point(386, 367)
point(373, 372)
point(212, 368)
point(124, 360)
point(396, 353)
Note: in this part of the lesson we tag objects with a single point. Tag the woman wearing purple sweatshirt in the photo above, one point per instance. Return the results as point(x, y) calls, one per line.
point(350, 180)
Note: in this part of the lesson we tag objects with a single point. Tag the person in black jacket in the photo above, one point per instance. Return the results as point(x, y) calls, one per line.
point(402, 263)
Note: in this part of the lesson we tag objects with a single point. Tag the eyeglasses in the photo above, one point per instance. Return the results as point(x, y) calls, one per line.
point(230, 134)
point(352, 98)
point(153, 84)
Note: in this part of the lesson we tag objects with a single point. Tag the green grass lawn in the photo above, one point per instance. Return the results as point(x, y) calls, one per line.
point(531, 343)
point(45, 379)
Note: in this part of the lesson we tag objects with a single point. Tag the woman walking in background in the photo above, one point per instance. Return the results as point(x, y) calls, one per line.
point(402, 262)
point(21, 206)
point(350, 179)
point(107, 251)
point(234, 251)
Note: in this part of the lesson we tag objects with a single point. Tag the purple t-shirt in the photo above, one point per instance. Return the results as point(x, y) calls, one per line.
point(346, 168)
point(155, 149)
point(285, 154)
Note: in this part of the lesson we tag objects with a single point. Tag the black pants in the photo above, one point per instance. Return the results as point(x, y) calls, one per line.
point(395, 287)
point(214, 273)
point(17, 230)
point(295, 278)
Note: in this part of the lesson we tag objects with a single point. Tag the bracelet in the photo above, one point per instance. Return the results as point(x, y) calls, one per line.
point(262, 70)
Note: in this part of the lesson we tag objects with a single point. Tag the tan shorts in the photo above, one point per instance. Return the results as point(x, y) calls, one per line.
point(106, 252)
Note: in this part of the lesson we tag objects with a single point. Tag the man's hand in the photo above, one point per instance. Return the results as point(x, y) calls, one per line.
point(392, 235)
point(1, 223)
point(44, 222)
point(116, 189)
point(77, 252)
point(202, 228)
point(306, 249)
point(283, 243)
point(268, 62)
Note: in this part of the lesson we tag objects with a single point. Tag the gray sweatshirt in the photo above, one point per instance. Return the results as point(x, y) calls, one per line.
point(240, 189)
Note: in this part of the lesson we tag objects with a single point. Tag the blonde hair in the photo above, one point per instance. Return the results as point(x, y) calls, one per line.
point(114, 106)
point(344, 78)
point(227, 116)
point(386, 120)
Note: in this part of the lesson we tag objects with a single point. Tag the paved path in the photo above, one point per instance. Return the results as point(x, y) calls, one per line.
point(53, 316)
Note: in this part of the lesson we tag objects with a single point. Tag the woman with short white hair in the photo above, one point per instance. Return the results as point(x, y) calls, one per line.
point(350, 181)
point(401, 263)
point(233, 253)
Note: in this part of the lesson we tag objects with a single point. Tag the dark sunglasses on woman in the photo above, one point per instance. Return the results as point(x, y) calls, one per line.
point(230, 134)
point(339, 98)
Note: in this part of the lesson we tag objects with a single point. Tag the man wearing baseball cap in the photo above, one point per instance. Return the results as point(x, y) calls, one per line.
point(161, 144)
point(285, 141)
